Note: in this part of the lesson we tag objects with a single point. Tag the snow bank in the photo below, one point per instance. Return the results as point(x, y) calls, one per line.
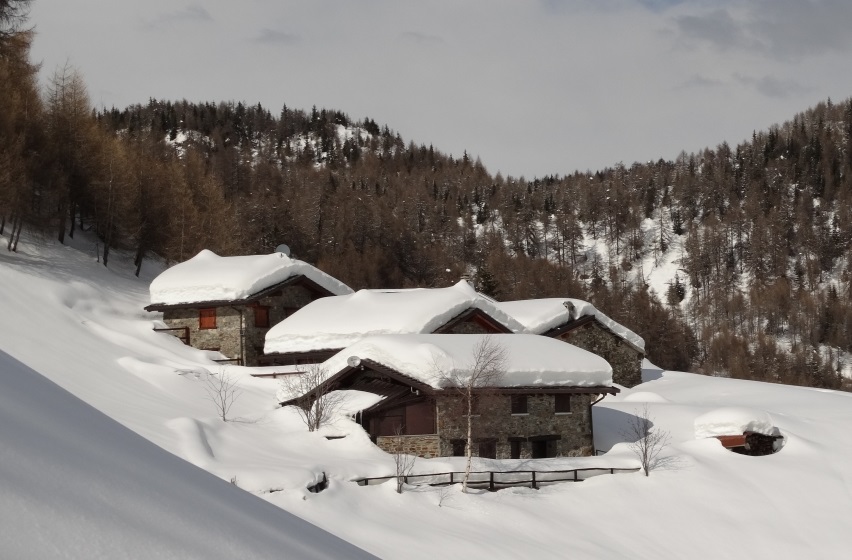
point(731, 421)
point(531, 360)
point(76, 484)
point(337, 322)
point(542, 315)
point(209, 277)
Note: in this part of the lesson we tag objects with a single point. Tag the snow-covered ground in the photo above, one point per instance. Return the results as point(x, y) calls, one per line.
point(67, 470)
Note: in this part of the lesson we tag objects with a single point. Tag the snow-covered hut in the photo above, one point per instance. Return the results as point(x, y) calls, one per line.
point(581, 324)
point(227, 304)
point(319, 330)
point(540, 405)
point(743, 430)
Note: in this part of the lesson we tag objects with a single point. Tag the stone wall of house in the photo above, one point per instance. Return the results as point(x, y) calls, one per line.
point(226, 336)
point(426, 446)
point(626, 362)
point(571, 432)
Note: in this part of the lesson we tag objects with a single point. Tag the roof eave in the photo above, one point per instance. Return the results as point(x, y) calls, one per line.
point(299, 279)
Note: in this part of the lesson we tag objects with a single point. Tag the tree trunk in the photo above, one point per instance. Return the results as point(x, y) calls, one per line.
point(16, 235)
point(140, 255)
point(469, 446)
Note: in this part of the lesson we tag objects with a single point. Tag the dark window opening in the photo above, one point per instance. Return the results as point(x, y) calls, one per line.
point(261, 316)
point(458, 447)
point(543, 447)
point(563, 404)
point(519, 404)
point(488, 449)
point(207, 318)
point(515, 449)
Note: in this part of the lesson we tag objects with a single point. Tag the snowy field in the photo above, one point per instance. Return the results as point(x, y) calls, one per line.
point(75, 484)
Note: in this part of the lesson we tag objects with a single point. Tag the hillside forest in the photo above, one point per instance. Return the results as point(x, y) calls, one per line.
point(757, 235)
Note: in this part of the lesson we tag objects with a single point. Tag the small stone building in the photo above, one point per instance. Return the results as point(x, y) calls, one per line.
point(539, 407)
point(581, 324)
point(323, 328)
point(227, 304)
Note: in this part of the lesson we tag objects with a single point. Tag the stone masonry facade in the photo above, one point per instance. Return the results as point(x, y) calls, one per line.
point(625, 360)
point(226, 337)
point(426, 446)
point(569, 434)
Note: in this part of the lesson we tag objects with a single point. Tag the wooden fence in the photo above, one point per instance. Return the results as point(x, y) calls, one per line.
point(495, 480)
point(183, 335)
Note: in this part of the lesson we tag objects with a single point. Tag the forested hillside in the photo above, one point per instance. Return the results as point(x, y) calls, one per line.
point(754, 239)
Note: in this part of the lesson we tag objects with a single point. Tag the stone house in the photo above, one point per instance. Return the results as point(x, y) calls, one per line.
point(227, 304)
point(581, 324)
point(323, 328)
point(541, 406)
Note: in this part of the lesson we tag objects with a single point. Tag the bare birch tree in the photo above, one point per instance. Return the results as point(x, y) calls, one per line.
point(646, 442)
point(312, 397)
point(222, 391)
point(486, 368)
point(404, 462)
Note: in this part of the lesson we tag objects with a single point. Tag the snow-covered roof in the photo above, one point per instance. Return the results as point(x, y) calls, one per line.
point(730, 421)
point(207, 277)
point(337, 322)
point(531, 360)
point(542, 315)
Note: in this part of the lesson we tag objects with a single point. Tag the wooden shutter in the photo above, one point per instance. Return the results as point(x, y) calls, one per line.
point(519, 404)
point(207, 318)
point(563, 404)
point(261, 316)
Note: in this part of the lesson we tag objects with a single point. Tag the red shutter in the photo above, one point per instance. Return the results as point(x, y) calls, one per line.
point(207, 318)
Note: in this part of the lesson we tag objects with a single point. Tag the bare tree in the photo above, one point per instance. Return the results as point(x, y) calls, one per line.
point(486, 368)
point(312, 396)
point(403, 461)
point(646, 442)
point(222, 391)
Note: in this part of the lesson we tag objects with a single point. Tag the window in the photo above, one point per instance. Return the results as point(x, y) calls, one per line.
point(474, 405)
point(207, 318)
point(458, 447)
point(519, 404)
point(261, 316)
point(563, 404)
point(515, 449)
point(488, 449)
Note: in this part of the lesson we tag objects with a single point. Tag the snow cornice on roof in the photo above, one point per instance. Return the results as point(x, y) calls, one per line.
point(337, 322)
point(547, 316)
point(212, 280)
point(533, 363)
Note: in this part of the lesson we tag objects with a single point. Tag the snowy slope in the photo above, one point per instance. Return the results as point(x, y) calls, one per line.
point(76, 484)
point(82, 326)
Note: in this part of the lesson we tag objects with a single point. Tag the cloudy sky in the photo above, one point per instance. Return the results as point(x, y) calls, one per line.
point(533, 87)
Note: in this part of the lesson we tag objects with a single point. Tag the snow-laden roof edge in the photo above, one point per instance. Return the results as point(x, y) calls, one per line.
point(542, 315)
point(336, 322)
point(207, 277)
point(431, 359)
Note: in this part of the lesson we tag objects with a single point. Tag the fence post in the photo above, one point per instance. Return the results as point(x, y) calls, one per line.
point(491, 481)
point(575, 476)
point(534, 485)
point(451, 478)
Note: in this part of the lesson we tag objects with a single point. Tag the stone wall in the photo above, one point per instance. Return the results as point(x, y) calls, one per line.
point(426, 446)
point(626, 362)
point(571, 433)
point(226, 336)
